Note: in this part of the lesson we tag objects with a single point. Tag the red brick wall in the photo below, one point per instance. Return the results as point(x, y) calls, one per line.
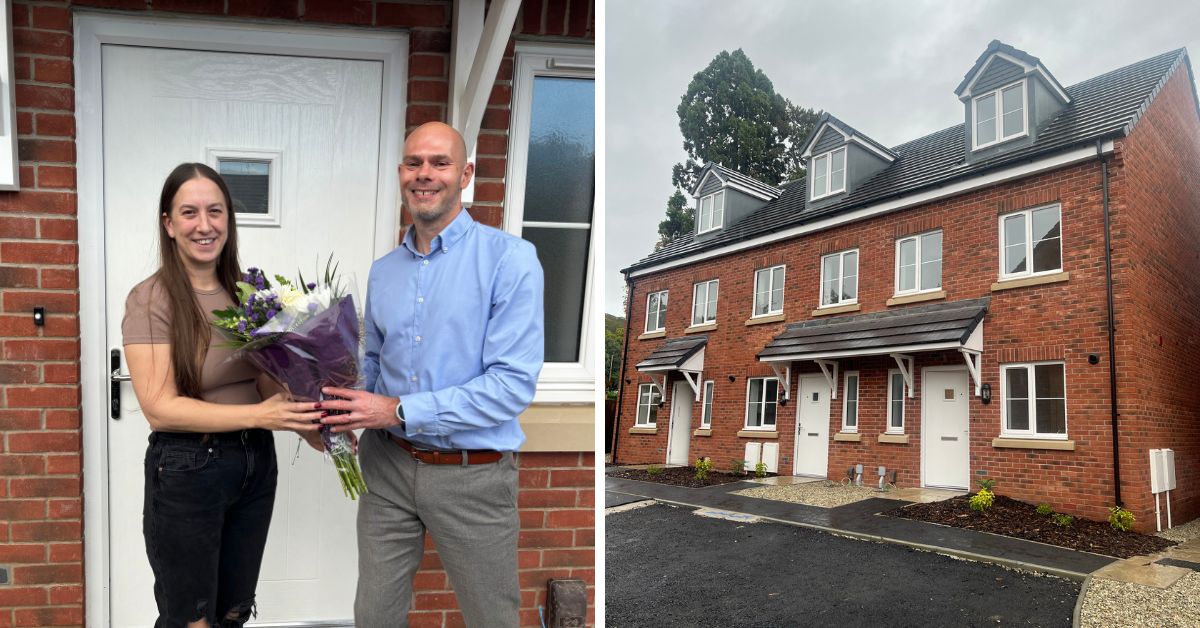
point(1061, 321)
point(40, 470)
point(1156, 223)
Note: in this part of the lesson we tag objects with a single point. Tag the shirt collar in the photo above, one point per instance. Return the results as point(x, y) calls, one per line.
point(444, 240)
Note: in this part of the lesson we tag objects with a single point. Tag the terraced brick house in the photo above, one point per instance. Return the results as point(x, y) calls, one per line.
point(1015, 297)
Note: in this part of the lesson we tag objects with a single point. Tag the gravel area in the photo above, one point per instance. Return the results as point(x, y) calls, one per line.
point(824, 493)
point(1185, 532)
point(1111, 603)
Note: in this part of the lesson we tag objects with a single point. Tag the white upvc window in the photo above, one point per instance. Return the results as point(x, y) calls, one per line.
point(656, 311)
point(839, 278)
point(829, 173)
point(768, 291)
point(1000, 115)
point(549, 201)
point(706, 409)
point(647, 409)
point(919, 263)
point(850, 402)
point(710, 214)
point(762, 399)
point(1031, 242)
point(1035, 400)
point(895, 412)
point(704, 302)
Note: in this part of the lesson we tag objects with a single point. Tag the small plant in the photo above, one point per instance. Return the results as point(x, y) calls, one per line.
point(1044, 510)
point(703, 466)
point(653, 470)
point(988, 485)
point(737, 467)
point(760, 470)
point(1061, 520)
point(982, 500)
point(1120, 519)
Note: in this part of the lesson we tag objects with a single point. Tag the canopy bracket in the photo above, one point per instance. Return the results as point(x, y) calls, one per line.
point(785, 378)
point(830, 377)
point(693, 379)
point(973, 359)
point(905, 363)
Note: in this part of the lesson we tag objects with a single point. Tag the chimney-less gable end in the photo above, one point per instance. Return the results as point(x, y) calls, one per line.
point(724, 196)
point(839, 158)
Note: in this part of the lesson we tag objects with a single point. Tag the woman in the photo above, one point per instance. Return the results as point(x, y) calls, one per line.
point(210, 467)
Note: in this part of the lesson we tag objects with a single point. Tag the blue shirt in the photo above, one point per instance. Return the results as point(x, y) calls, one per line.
point(457, 335)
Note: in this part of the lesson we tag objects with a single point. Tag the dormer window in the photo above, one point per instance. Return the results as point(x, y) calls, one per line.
point(712, 212)
point(829, 173)
point(1000, 115)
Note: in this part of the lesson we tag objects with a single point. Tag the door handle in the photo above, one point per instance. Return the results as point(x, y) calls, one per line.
point(115, 377)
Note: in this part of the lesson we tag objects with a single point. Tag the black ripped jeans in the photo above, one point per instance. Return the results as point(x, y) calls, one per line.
point(207, 509)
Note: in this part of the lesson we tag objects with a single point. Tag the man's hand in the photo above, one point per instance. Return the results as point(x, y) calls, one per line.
point(367, 410)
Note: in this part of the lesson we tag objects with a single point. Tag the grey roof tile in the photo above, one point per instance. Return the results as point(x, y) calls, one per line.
point(673, 352)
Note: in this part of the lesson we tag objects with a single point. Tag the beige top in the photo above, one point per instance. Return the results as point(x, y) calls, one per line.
point(223, 378)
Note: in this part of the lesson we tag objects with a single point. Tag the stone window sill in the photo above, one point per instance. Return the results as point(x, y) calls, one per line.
point(702, 432)
point(894, 438)
point(650, 335)
point(643, 430)
point(1033, 443)
point(917, 298)
point(763, 320)
point(837, 309)
point(695, 329)
point(757, 434)
point(1009, 284)
point(850, 437)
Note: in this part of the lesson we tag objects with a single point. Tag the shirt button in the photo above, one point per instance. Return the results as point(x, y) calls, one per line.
point(413, 378)
point(445, 249)
point(425, 262)
point(418, 339)
point(420, 299)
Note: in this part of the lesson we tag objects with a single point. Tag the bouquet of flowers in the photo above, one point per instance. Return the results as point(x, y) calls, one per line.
point(305, 338)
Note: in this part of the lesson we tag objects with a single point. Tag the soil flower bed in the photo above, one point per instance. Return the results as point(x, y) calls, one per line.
point(678, 476)
point(1010, 517)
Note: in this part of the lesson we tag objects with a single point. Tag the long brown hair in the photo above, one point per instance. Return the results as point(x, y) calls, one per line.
point(190, 331)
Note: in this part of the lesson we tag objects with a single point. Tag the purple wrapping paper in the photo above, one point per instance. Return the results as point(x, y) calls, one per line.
point(321, 352)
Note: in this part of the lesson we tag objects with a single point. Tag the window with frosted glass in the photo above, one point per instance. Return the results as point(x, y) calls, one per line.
point(704, 303)
point(839, 278)
point(919, 263)
point(1035, 401)
point(1032, 241)
point(706, 413)
point(558, 210)
point(648, 400)
point(850, 403)
point(762, 397)
point(768, 291)
point(656, 311)
point(895, 402)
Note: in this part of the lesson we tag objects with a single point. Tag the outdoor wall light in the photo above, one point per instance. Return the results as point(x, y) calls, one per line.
point(628, 381)
point(985, 394)
point(1093, 358)
point(733, 378)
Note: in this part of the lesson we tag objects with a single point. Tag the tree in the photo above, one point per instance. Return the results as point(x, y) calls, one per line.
point(731, 115)
point(801, 123)
point(614, 344)
point(680, 219)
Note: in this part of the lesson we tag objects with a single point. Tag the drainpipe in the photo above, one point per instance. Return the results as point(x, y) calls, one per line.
point(1112, 332)
point(624, 354)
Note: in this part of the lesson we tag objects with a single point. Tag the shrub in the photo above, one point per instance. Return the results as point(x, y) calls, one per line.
point(760, 470)
point(982, 500)
point(987, 484)
point(653, 470)
point(703, 466)
point(737, 467)
point(1062, 520)
point(1045, 509)
point(1120, 519)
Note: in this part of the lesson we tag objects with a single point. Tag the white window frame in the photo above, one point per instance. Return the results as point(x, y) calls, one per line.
point(1029, 272)
point(891, 429)
point(706, 403)
point(559, 382)
point(1032, 432)
point(826, 170)
point(764, 401)
point(999, 120)
point(771, 288)
point(846, 401)
point(709, 286)
point(917, 280)
point(716, 198)
point(660, 314)
point(651, 406)
point(841, 255)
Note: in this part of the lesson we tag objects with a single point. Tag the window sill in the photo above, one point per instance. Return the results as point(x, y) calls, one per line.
point(702, 432)
point(850, 437)
point(837, 309)
point(1021, 282)
point(757, 434)
point(763, 320)
point(695, 329)
point(917, 298)
point(1033, 443)
point(901, 439)
point(643, 430)
point(650, 335)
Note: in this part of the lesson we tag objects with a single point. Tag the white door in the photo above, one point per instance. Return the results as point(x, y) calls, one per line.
point(812, 427)
point(680, 435)
point(945, 429)
point(319, 121)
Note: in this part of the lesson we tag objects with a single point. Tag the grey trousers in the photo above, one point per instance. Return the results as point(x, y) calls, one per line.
point(470, 510)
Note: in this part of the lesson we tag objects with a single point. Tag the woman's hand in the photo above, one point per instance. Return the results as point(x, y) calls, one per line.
point(278, 413)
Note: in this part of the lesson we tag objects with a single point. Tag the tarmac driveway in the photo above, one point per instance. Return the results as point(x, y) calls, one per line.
point(668, 567)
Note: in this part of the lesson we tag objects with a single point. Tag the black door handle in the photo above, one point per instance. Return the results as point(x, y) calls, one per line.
point(115, 377)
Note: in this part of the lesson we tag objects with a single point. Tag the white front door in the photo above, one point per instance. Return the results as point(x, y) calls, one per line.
point(945, 431)
point(679, 438)
point(812, 427)
point(317, 121)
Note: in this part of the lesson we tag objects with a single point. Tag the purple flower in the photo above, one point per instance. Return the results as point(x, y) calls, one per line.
point(312, 308)
point(271, 313)
point(311, 285)
point(242, 326)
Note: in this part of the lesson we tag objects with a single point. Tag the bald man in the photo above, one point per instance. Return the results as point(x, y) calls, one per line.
point(454, 346)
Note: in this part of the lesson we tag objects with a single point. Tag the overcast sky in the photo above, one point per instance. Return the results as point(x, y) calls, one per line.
point(887, 68)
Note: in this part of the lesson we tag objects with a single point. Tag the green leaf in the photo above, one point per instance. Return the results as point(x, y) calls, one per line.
point(244, 291)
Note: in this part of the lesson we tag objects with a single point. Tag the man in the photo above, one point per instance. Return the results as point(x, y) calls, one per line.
point(454, 346)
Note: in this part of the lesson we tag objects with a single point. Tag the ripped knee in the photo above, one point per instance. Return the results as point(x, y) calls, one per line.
point(240, 614)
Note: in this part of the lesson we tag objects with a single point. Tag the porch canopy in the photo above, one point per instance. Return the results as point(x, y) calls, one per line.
point(685, 355)
point(956, 326)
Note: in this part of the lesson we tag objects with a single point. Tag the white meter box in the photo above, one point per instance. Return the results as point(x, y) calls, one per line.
point(1162, 470)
